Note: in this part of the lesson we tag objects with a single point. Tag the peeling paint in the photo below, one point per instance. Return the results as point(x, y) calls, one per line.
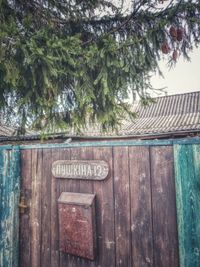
point(9, 199)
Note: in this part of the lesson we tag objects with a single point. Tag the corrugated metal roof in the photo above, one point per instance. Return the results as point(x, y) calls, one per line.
point(171, 105)
point(6, 131)
point(11, 131)
point(167, 114)
point(163, 124)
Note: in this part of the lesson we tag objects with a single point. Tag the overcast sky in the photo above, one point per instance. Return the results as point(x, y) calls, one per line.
point(185, 77)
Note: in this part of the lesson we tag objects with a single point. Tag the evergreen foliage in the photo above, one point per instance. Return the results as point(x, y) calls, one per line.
point(65, 62)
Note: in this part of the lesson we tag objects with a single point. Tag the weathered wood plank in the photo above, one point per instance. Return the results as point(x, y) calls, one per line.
point(85, 153)
point(105, 212)
point(36, 208)
point(24, 234)
point(110, 143)
point(9, 200)
point(141, 214)
point(55, 258)
point(15, 170)
point(187, 170)
point(46, 208)
point(63, 186)
point(122, 207)
point(164, 207)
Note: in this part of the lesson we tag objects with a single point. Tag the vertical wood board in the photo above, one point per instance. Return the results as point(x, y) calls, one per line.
point(24, 233)
point(141, 214)
point(9, 200)
point(62, 186)
point(35, 211)
point(46, 183)
point(105, 212)
point(55, 257)
point(187, 170)
point(163, 207)
point(122, 206)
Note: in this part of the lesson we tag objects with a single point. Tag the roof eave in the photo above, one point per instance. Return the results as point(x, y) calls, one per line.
point(79, 137)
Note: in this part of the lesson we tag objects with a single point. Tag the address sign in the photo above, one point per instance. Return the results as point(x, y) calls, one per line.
point(80, 169)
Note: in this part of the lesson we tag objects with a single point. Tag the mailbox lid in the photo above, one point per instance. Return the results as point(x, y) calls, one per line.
point(76, 198)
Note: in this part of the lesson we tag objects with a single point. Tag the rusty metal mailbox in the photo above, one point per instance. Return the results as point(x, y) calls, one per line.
point(77, 224)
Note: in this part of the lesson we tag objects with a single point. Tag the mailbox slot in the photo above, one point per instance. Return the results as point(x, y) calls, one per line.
point(77, 229)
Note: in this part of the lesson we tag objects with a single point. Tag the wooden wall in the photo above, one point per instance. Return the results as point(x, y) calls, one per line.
point(136, 211)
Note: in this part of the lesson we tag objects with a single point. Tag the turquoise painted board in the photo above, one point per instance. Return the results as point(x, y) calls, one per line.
point(187, 173)
point(9, 199)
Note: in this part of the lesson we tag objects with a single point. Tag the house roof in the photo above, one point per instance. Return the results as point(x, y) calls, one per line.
point(167, 115)
point(6, 130)
point(11, 131)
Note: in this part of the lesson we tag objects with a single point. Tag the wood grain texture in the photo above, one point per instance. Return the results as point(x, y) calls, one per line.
point(122, 207)
point(9, 200)
point(46, 209)
point(141, 215)
point(63, 186)
point(24, 234)
point(187, 170)
point(85, 153)
point(111, 143)
point(105, 212)
point(164, 208)
point(135, 206)
point(35, 213)
point(55, 257)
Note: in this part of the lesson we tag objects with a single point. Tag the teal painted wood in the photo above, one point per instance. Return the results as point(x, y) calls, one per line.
point(163, 142)
point(187, 141)
point(9, 199)
point(187, 173)
point(100, 144)
point(7, 147)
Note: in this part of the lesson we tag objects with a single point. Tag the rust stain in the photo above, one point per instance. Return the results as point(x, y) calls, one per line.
point(77, 231)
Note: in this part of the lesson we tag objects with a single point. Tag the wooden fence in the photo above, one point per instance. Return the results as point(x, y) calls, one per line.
point(136, 214)
point(150, 184)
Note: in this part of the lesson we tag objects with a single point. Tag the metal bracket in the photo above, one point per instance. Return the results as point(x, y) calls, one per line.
point(22, 205)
